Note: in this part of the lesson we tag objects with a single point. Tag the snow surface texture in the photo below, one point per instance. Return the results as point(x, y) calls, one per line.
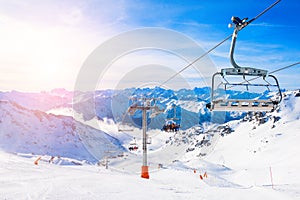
point(258, 160)
point(23, 180)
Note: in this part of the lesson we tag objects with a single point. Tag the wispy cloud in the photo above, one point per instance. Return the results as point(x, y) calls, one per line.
point(265, 24)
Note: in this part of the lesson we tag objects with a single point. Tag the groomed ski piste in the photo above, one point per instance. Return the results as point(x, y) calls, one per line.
point(258, 160)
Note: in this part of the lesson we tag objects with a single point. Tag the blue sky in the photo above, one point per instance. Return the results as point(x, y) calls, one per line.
point(44, 43)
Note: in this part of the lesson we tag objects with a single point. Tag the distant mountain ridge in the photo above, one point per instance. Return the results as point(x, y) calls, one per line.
point(24, 130)
point(113, 104)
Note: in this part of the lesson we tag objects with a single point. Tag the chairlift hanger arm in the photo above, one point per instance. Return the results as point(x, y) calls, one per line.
point(279, 90)
point(211, 105)
point(239, 24)
point(216, 46)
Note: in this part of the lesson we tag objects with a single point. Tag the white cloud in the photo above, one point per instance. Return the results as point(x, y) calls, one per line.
point(43, 44)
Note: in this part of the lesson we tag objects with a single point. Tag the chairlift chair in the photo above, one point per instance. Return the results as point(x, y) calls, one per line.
point(124, 128)
point(133, 145)
point(149, 140)
point(248, 74)
point(170, 124)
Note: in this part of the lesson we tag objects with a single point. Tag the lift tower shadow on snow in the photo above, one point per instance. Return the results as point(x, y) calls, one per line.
point(145, 105)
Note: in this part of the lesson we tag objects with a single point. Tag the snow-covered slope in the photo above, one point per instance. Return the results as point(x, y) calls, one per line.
point(32, 131)
point(269, 141)
point(20, 179)
point(261, 151)
point(252, 158)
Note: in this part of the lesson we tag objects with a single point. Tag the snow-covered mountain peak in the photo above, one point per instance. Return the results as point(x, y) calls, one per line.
point(33, 131)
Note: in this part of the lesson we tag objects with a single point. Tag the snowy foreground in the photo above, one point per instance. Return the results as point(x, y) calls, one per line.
point(258, 160)
point(21, 179)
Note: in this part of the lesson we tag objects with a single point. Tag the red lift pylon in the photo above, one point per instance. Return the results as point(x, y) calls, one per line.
point(144, 104)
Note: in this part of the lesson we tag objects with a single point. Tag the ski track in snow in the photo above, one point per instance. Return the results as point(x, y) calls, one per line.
point(21, 179)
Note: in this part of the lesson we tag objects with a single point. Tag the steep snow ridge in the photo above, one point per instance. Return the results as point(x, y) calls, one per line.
point(191, 106)
point(256, 146)
point(33, 131)
point(290, 107)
